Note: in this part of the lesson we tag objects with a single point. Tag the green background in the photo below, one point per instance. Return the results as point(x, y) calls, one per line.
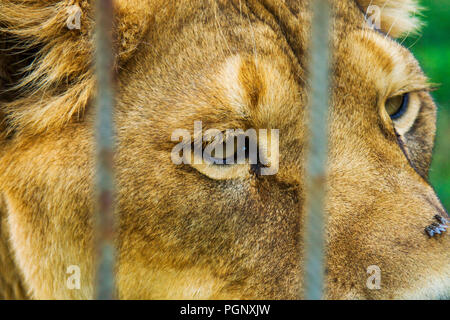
point(432, 48)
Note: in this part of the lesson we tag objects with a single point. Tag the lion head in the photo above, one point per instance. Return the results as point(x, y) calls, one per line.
point(218, 230)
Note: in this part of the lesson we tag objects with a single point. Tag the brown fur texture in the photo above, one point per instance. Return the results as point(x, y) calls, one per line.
point(11, 282)
point(183, 233)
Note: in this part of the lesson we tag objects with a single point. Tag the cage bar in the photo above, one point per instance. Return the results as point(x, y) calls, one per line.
point(105, 191)
point(316, 161)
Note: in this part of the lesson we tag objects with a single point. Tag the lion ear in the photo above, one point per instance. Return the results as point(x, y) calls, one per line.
point(46, 57)
point(393, 17)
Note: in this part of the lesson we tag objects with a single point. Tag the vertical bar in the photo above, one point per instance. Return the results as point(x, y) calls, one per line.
point(105, 287)
point(318, 149)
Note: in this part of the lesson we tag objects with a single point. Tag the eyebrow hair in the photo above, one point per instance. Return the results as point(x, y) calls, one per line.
point(359, 6)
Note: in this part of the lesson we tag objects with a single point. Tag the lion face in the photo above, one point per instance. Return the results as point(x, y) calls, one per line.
point(212, 231)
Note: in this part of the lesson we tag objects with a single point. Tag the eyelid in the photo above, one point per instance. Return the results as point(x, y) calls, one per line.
point(424, 87)
point(403, 108)
point(218, 161)
point(404, 123)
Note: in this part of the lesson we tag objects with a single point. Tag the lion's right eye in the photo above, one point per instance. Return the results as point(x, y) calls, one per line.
point(403, 111)
point(397, 106)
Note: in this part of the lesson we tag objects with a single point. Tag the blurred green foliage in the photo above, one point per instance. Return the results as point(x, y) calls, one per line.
point(432, 49)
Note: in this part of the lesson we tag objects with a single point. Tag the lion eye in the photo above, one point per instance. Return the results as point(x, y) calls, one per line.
point(221, 153)
point(397, 106)
point(226, 152)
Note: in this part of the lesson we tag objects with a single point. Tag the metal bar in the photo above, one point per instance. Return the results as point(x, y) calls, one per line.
point(105, 284)
point(318, 149)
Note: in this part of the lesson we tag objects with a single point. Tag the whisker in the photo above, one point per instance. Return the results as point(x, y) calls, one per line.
point(415, 42)
point(255, 50)
point(219, 27)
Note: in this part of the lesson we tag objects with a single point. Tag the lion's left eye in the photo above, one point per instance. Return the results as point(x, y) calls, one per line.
point(230, 151)
point(397, 106)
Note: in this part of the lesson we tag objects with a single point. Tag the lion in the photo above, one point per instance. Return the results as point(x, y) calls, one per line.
point(217, 231)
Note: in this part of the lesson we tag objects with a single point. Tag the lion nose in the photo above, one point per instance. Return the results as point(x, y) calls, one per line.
point(437, 228)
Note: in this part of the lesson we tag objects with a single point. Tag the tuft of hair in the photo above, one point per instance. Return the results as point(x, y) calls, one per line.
point(46, 73)
point(397, 17)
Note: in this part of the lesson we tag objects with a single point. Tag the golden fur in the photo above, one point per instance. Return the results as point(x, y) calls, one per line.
point(183, 233)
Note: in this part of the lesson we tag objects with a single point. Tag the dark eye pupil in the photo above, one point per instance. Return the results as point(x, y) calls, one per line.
point(396, 107)
point(223, 157)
